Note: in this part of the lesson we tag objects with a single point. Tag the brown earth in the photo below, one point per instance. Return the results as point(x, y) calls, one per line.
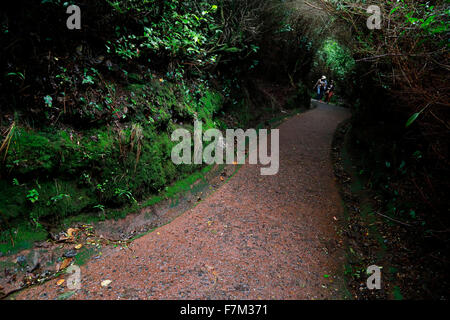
point(256, 237)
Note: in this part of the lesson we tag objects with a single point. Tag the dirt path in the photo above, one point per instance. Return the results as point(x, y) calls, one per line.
point(257, 237)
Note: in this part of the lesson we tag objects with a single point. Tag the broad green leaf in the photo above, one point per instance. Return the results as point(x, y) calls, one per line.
point(412, 119)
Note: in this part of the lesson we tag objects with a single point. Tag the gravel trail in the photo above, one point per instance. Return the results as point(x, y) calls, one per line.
point(256, 237)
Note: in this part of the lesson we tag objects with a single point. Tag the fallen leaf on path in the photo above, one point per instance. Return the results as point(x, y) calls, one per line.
point(60, 282)
point(71, 232)
point(66, 262)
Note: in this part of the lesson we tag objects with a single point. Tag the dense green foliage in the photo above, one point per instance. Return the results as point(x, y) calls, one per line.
point(335, 60)
point(57, 172)
point(118, 40)
point(86, 124)
point(86, 115)
point(399, 95)
point(399, 83)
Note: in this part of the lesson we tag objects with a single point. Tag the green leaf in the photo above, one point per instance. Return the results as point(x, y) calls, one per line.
point(427, 22)
point(393, 10)
point(412, 119)
point(17, 74)
point(233, 49)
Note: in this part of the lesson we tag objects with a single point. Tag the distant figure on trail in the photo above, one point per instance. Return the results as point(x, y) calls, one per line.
point(330, 91)
point(321, 85)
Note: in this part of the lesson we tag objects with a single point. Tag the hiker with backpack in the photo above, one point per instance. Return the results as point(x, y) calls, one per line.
point(320, 86)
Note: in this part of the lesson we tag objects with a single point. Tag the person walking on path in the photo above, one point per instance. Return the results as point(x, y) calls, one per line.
point(330, 91)
point(320, 86)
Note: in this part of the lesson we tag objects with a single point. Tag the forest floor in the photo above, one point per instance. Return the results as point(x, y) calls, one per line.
point(255, 237)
